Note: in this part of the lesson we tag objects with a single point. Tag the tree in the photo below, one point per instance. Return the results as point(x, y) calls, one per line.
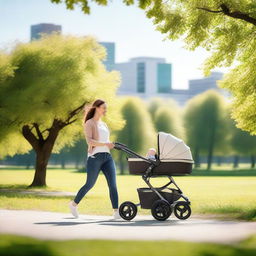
point(44, 87)
point(153, 105)
point(138, 133)
point(226, 28)
point(169, 120)
point(193, 124)
point(204, 121)
point(241, 143)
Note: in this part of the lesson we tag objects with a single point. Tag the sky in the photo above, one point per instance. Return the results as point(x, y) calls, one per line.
point(133, 33)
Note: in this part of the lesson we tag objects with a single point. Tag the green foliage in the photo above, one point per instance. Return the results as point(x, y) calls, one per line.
point(169, 120)
point(206, 128)
point(166, 116)
point(241, 81)
point(241, 142)
point(138, 133)
point(153, 105)
point(26, 246)
point(47, 79)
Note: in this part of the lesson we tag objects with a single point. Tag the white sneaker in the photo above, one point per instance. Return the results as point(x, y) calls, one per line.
point(116, 215)
point(73, 209)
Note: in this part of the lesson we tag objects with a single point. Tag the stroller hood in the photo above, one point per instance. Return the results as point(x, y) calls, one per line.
point(171, 147)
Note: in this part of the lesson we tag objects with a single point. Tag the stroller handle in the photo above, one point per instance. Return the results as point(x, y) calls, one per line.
point(123, 147)
point(118, 144)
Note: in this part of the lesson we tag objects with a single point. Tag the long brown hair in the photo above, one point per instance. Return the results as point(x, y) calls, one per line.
point(89, 113)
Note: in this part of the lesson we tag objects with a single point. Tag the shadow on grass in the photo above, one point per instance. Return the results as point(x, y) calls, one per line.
point(22, 189)
point(234, 212)
point(34, 194)
point(27, 249)
point(14, 187)
point(241, 172)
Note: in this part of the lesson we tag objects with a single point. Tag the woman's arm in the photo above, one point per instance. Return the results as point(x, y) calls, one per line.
point(88, 136)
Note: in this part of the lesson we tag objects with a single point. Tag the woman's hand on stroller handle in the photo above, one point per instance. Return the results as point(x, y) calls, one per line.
point(110, 145)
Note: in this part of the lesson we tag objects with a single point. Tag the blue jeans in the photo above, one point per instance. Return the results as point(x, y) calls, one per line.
point(100, 161)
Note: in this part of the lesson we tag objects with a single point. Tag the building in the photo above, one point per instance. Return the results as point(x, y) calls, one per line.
point(197, 86)
point(145, 75)
point(110, 58)
point(46, 28)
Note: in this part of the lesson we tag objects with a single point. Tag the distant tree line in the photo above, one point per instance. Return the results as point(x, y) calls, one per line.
point(204, 124)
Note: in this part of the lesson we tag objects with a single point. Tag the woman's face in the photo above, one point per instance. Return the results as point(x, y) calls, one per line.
point(102, 109)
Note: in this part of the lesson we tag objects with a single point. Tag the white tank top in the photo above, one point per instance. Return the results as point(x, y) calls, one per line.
point(103, 137)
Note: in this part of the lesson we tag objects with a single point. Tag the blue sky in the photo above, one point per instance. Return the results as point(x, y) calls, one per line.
point(127, 26)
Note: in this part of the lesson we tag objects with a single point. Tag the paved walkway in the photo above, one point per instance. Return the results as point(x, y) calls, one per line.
point(59, 226)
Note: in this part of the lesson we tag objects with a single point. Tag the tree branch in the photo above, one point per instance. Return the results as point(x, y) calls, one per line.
point(238, 15)
point(38, 132)
point(73, 113)
point(30, 137)
point(235, 14)
point(57, 124)
point(77, 110)
point(208, 10)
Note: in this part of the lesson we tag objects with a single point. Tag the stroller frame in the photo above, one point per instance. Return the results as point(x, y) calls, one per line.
point(175, 205)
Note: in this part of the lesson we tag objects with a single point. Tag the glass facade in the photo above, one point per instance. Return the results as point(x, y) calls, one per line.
point(109, 62)
point(141, 72)
point(164, 73)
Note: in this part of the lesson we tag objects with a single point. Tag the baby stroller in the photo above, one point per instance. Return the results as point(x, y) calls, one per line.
point(173, 158)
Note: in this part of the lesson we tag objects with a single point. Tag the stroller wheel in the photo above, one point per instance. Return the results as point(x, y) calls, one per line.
point(128, 210)
point(161, 210)
point(182, 210)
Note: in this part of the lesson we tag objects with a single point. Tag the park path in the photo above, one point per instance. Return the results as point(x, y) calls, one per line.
point(61, 226)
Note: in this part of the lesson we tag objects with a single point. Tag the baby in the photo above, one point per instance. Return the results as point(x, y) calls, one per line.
point(151, 154)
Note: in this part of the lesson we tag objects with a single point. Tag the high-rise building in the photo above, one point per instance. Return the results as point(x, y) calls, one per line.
point(110, 58)
point(147, 75)
point(45, 28)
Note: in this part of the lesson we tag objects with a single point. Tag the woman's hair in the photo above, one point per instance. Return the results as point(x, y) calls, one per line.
point(89, 113)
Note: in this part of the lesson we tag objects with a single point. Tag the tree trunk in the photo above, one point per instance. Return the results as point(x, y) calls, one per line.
point(197, 159)
point(28, 165)
point(211, 147)
point(236, 161)
point(219, 160)
point(121, 166)
point(209, 158)
point(77, 162)
point(63, 162)
point(43, 148)
point(252, 161)
point(42, 158)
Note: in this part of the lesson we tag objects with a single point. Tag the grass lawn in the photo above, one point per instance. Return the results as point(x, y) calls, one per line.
point(11, 245)
point(234, 197)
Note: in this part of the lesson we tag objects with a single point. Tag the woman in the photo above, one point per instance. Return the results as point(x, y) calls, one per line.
point(99, 157)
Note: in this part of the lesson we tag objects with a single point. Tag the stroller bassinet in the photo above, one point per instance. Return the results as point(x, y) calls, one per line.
point(173, 155)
